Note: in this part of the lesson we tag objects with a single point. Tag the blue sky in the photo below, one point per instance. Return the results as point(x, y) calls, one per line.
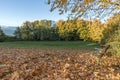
point(15, 12)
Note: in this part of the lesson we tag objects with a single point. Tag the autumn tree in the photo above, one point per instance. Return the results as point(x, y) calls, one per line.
point(78, 8)
point(67, 30)
point(95, 31)
point(112, 34)
point(60, 25)
point(83, 29)
point(82, 8)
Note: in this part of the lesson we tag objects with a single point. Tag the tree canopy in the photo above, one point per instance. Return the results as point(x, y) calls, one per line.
point(78, 8)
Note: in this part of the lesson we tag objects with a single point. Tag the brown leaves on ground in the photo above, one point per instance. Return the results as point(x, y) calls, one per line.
point(53, 64)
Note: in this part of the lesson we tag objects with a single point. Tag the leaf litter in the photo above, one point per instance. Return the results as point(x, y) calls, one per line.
point(56, 64)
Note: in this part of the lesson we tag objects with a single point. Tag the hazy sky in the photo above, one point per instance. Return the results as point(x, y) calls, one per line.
point(15, 12)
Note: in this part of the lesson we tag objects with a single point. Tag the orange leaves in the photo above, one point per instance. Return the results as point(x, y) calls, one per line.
point(15, 76)
point(67, 66)
point(75, 9)
point(64, 1)
point(56, 64)
point(83, 7)
point(88, 1)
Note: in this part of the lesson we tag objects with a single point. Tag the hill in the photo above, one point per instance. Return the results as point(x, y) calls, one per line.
point(9, 30)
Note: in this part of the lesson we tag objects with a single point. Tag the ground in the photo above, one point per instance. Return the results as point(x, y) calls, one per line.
point(56, 64)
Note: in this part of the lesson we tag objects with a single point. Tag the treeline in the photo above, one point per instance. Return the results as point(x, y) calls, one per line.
point(37, 30)
point(62, 30)
point(69, 30)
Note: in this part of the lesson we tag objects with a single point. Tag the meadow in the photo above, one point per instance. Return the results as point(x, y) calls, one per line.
point(51, 44)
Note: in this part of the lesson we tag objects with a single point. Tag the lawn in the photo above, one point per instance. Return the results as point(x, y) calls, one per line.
point(50, 44)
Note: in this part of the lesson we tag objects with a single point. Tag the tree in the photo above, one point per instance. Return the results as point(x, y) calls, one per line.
point(78, 8)
point(95, 31)
point(60, 26)
point(27, 31)
point(112, 35)
point(54, 33)
point(83, 29)
point(37, 30)
point(67, 30)
point(18, 33)
point(45, 29)
point(71, 29)
point(2, 35)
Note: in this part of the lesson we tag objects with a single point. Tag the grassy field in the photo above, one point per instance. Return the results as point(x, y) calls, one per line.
point(50, 44)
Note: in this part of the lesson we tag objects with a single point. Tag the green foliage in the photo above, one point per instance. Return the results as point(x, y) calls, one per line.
point(27, 31)
point(17, 33)
point(11, 39)
point(54, 34)
point(37, 30)
point(2, 35)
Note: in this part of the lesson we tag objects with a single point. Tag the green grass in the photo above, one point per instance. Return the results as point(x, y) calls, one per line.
point(50, 44)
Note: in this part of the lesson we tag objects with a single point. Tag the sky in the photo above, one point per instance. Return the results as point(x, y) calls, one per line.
point(16, 12)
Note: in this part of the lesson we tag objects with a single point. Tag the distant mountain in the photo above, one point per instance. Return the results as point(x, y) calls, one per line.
point(8, 30)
